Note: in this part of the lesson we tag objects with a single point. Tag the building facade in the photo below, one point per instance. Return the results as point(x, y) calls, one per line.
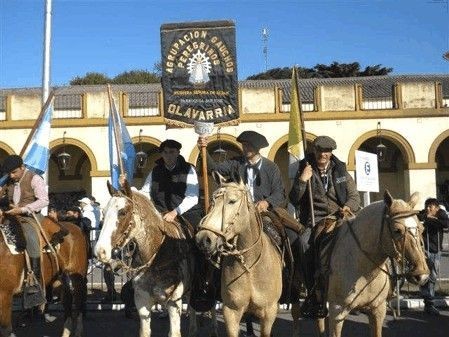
point(409, 114)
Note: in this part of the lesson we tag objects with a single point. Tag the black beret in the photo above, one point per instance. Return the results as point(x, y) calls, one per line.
point(172, 144)
point(324, 143)
point(11, 163)
point(254, 138)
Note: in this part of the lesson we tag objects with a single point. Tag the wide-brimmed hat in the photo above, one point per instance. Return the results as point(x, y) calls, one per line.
point(85, 200)
point(11, 162)
point(324, 143)
point(255, 139)
point(170, 143)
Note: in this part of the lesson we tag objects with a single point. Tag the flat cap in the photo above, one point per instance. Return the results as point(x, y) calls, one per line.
point(170, 143)
point(324, 143)
point(11, 163)
point(255, 139)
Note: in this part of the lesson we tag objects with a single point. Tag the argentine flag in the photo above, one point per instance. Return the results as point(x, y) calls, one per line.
point(126, 146)
point(37, 155)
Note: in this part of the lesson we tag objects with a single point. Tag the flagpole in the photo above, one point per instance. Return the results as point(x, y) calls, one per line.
point(304, 144)
point(114, 126)
point(38, 122)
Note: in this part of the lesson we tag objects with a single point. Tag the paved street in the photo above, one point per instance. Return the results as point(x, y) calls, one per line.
point(114, 324)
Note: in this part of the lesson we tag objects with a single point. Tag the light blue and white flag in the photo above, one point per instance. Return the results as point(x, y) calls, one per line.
point(37, 154)
point(126, 148)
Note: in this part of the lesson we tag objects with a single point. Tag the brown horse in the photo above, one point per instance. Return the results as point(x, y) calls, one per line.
point(251, 277)
point(359, 277)
point(72, 271)
point(163, 261)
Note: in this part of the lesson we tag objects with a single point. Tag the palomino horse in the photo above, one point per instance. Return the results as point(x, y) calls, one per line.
point(163, 252)
point(72, 271)
point(359, 277)
point(251, 277)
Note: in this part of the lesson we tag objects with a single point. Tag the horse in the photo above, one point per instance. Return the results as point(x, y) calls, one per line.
point(67, 270)
point(163, 260)
point(251, 276)
point(359, 276)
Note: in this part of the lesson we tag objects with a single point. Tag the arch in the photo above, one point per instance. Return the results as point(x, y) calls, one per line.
point(146, 139)
point(223, 137)
point(8, 149)
point(397, 139)
point(281, 141)
point(81, 145)
point(434, 147)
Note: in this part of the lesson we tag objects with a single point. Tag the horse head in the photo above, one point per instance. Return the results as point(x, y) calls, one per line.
point(228, 216)
point(406, 231)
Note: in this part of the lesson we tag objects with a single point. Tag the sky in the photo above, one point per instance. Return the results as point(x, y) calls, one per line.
point(113, 36)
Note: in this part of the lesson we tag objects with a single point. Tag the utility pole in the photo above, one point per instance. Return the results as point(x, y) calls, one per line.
point(265, 35)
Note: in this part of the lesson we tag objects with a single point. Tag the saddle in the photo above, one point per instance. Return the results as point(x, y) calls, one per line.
point(13, 237)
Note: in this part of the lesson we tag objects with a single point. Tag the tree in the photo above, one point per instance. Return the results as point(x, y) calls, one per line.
point(91, 78)
point(127, 77)
point(136, 77)
point(333, 70)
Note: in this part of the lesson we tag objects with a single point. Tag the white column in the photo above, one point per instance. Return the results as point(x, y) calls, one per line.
point(424, 182)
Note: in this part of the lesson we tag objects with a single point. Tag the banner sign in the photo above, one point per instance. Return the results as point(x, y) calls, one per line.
point(199, 73)
point(367, 174)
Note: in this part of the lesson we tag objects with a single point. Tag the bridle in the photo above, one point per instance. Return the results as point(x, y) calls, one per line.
point(121, 244)
point(398, 254)
point(229, 247)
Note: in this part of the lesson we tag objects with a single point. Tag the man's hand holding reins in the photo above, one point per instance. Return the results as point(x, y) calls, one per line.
point(170, 216)
point(262, 206)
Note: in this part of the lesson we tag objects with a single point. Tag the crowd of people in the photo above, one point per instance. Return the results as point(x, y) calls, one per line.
point(321, 180)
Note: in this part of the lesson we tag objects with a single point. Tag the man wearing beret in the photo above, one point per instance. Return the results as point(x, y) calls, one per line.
point(261, 175)
point(26, 195)
point(173, 185)
point(334, 195)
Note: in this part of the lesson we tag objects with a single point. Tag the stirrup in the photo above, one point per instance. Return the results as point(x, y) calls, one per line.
point(33, 296)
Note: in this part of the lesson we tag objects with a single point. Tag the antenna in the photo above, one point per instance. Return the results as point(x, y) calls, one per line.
point(265, 35)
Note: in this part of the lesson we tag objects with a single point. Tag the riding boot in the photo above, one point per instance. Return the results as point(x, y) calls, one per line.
point(33, 294)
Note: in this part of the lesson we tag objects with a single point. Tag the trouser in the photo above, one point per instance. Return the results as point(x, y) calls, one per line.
point(428, 289)
point(31, 233)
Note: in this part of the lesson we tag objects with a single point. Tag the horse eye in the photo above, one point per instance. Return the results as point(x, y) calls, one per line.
point(122, 212)
point(231, 201)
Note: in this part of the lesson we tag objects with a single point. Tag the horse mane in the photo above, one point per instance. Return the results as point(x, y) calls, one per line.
point(148, 211)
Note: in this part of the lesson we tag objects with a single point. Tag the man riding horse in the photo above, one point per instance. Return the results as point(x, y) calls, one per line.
point(334, 195)
point(24, 196)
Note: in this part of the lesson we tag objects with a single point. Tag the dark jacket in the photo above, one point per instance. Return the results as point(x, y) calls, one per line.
point(342, 191)
point(268, 185)
point(433, 230)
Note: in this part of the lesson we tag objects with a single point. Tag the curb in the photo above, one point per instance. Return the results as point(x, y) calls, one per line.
point(418, 303)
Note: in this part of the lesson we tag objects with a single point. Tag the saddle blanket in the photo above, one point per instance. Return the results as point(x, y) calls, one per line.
point(12, 240)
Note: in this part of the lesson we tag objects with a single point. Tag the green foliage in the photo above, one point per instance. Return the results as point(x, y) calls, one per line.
point(127, 77)
point(333, 70)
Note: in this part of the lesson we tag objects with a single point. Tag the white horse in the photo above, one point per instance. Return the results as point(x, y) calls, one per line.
point(164, 254)
point(359, 277)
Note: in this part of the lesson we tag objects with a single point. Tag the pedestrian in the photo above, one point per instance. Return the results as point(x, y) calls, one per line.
point(435, 221)
point(334, 195)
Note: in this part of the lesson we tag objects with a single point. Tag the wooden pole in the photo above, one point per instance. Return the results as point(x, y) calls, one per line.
point(304, 144)
point(205, 179)
point(113, 111)
point(37, 123)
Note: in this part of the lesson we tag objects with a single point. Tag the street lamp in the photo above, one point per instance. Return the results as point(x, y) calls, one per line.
point(220, 151)
point(64, 157)
point(381, 149)
point(141, 156)
point(446, 56)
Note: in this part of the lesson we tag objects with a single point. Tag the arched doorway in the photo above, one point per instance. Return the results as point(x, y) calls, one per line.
point(141, 173)
point(442, 171)
point(67, 186)
point(391, 170)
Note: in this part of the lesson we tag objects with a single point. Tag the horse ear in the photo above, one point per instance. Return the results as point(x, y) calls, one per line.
point(388, 198)
point(413, 199)
point(111, 189)
point(219, 179)
point(126, 188)
point(235, 176)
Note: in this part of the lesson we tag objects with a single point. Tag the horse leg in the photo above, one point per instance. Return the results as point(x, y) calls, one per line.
point(337, 316)
point(321, 327)
point(266, 323)
point(295, 317)
point(5, 314)
point(232, 320)
point(193, 328)
point(143, 302)
point(376, 319)
point(213, 331)
point(174, 309)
